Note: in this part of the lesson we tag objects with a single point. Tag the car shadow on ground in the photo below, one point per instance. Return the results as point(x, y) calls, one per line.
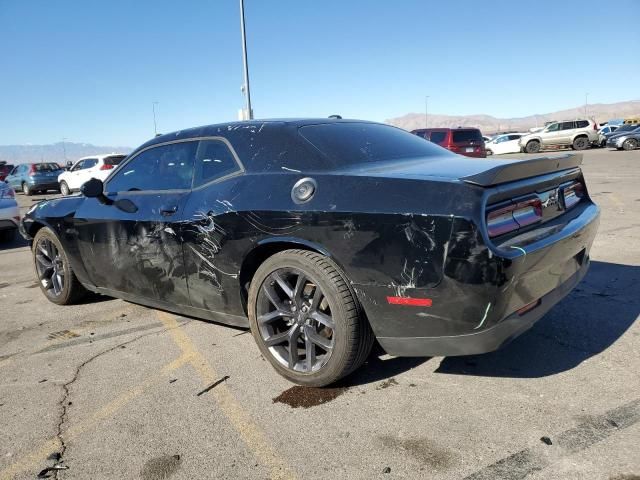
point(587, 322)
point(17, 242)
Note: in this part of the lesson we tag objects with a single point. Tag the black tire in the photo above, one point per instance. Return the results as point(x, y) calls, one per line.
point(71, 290)
point(630, 144)
point(532, 147)
point(7, 236)
point(489, 151)
point(580, 143)
point(351, 335)
point(26, 189)
point(64, 188)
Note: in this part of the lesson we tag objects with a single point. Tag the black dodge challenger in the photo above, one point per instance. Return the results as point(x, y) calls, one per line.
point(321, 235)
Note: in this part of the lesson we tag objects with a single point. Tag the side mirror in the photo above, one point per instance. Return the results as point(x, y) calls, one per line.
point(92, 188)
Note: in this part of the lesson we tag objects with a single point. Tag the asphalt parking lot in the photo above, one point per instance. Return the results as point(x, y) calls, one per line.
point(110, 389)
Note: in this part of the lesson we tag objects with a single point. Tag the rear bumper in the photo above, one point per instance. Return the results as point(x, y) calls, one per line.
point(486, 340)
point(474, 307)
point(42, 185)
point(8, 217)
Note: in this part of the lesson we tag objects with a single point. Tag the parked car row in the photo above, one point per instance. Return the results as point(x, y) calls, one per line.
point(576, 134)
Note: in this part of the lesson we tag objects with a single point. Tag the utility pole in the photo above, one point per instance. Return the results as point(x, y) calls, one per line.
point(245, 88)
point(155, 125)
point(426, 111)
point(586, 101)
point(64, 149)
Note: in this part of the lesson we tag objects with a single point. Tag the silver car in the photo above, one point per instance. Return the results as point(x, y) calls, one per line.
point(577, 134)
point(9, 213)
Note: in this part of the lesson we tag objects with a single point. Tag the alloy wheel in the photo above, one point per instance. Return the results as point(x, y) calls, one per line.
point(295, 321)
point(50, 267)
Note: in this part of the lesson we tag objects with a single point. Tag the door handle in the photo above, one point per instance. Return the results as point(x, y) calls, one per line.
point(168, 210)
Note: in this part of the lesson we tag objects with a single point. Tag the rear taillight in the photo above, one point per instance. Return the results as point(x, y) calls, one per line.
point(595, 126)
point(32, 169)
point(572, 194)
point(106, 167)
point(514, 216)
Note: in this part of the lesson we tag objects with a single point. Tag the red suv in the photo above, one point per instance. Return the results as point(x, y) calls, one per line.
point(465, 141)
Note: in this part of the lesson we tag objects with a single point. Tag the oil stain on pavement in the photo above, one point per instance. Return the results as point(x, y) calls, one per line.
point(160, 468)
point(422, 449)
point(306, 397)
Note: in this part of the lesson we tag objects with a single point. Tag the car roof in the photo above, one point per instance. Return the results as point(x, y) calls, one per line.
point(102, 156)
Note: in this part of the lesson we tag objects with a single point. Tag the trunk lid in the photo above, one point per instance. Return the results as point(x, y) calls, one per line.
point(482, 172)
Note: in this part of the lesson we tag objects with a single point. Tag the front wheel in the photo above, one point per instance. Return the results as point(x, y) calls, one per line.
point(64, 188)
point(306, 319)
point(580, 143)
point(26, 189)
point(54, 274)
point(630, 144)
point(533, 147)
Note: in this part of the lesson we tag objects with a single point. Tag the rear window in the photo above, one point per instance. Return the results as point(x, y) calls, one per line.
point(438, 137)
point(115, 160)
point(46, 167)
point(460, 136)
point(345, 144)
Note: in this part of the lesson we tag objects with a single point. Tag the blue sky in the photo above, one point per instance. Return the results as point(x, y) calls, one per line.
point(89, 71)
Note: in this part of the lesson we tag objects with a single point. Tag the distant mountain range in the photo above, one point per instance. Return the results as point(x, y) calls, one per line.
point(56, 152)
point(601, 112)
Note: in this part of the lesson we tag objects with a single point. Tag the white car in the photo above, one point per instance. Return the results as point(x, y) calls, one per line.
point(507, 143)
point(97, 166)
point(9, 213)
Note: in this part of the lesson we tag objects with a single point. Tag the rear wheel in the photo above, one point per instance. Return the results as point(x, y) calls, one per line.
point(26, 189)
point(55, 276)
point(306, 319)
point(630, 144)
point(580, 143)
point(64, 188)
point(533, 147)
point(489, 151)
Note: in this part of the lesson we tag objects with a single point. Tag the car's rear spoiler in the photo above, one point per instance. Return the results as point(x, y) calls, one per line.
point(526, 168)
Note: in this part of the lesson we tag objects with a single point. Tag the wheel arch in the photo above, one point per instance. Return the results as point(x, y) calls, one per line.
point(267, 248)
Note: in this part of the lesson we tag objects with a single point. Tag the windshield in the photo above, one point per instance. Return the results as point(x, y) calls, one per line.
point(114, 160)
point(46, 167)
point(345, 144)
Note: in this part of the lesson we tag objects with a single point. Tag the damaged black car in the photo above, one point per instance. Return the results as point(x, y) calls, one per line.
point(322, 236)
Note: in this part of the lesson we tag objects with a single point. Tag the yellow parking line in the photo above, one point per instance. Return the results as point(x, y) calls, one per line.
point(33, 460)
point(250, 433)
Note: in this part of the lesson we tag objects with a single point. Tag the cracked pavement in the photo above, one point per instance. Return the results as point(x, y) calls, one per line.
point(110, 389)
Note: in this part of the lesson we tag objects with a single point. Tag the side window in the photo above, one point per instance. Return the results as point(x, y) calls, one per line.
point(167, 167)
point(567, 125)
point(213, 160)
point(553, 127)
point(438, 137)
point(78, 166)
point(582, 123)
point(91, 162)
point(514, 137)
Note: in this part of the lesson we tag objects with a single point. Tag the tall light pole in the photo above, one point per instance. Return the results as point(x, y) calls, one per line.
point(245, 87)
point(64, 150)
point(586, 101)
point(155, 125)
point(426, 111)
